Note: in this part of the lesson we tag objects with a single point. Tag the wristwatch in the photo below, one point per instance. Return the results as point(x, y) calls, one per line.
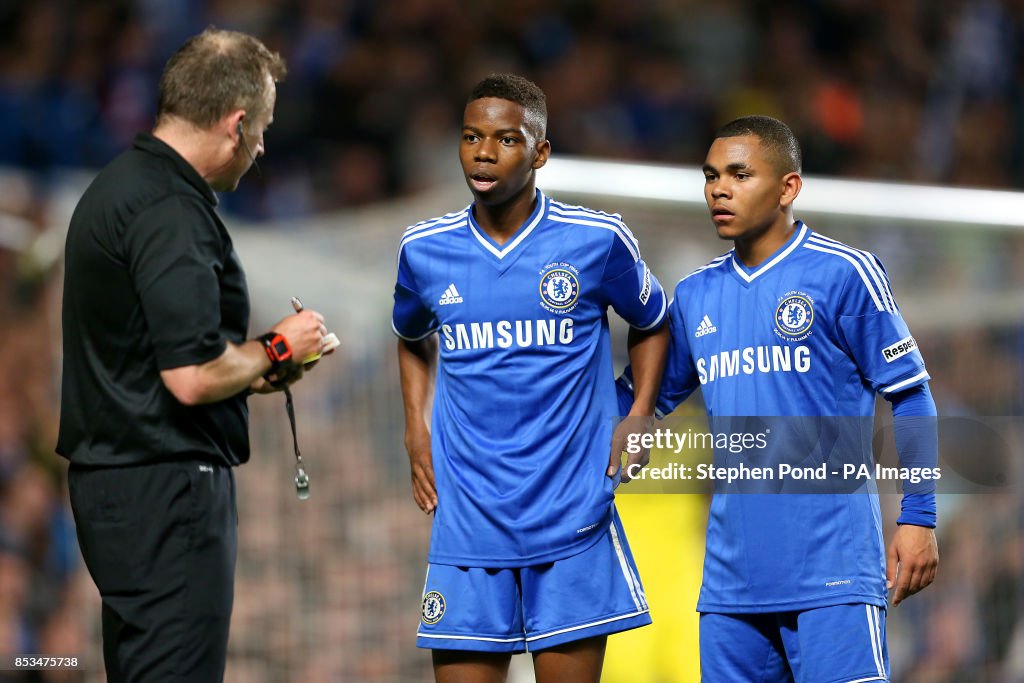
point(278, 351)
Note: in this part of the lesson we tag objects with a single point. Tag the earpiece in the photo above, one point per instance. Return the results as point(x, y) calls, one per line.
point(245, 145)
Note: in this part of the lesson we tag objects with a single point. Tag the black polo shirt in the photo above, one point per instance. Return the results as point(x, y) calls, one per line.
point(151, 282)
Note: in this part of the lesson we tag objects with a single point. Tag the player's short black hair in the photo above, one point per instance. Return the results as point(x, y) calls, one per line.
point(516, 89)
point(776, 137)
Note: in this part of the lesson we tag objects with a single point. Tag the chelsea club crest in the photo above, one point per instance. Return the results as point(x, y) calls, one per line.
point(559, 287)
point(794, 316)
point(433, 607)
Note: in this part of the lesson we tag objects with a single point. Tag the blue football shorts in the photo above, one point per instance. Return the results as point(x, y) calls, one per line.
point(836, 644)
point(593, 593)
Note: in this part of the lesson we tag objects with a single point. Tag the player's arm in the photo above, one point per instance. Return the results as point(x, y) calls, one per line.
point(415, 325)
point(629, 287)
point(912, 558)
point(872, 331)
point(647, 351)
point(679, 379)
point(417, 365)
point(242, 366)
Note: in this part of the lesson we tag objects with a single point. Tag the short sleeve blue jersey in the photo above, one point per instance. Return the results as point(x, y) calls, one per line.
point(525, 392)
point(813, 331)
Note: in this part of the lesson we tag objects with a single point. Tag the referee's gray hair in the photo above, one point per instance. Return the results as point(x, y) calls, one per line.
point(216, 72)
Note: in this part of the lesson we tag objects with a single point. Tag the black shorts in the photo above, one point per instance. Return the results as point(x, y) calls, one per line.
point(160, 542)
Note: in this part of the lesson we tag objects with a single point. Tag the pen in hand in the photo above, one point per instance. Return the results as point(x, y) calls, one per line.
point(330, 341)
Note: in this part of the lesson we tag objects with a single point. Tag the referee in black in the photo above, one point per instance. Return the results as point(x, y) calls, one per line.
point(157, 366)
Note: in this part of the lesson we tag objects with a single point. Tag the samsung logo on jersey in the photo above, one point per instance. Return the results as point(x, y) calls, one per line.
point(504, 334)
point(900, 348)
point(752, 359)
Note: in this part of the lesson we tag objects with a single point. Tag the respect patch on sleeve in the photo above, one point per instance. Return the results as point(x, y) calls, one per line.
point(899, 349)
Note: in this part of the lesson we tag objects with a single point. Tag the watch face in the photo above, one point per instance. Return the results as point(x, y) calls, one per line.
point(281, 349)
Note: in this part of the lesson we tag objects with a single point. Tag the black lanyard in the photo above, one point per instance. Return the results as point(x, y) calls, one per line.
point(301, 478)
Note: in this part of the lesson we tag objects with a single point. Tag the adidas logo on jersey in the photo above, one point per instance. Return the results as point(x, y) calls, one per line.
point(705, 327)
point(450, 296)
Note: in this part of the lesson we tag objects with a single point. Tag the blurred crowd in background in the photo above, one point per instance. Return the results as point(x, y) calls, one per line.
point(915, 90)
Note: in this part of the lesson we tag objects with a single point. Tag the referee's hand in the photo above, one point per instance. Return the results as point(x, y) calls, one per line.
point(305, 333)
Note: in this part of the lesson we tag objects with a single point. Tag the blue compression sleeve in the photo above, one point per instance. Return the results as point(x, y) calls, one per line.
point(917, 443)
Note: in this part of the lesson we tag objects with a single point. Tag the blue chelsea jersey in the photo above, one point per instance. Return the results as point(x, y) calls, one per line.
point(813, 331)
point(525, 392)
